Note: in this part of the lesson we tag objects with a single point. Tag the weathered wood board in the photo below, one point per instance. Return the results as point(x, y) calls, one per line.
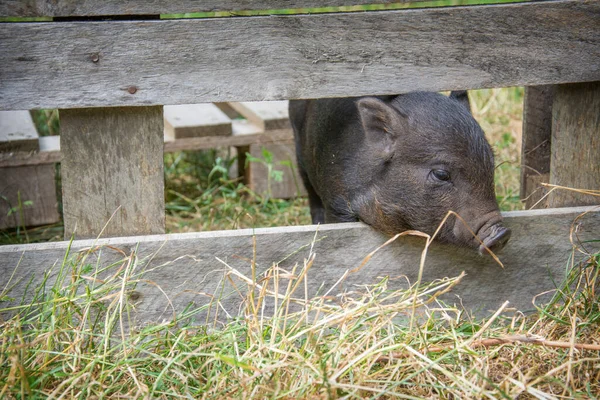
point(112, 164)
point(267, 115)
point(49, 154)
point(35, 184)
point(187, 267)
point(537, 138)
point(196, 120)
point(226, 141)
point(59, 8)
point(575, 161)
point(537, 191)
point(17, 132)
point(112, 63)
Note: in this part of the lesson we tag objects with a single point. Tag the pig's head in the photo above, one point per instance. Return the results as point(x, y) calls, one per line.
point(424, 155)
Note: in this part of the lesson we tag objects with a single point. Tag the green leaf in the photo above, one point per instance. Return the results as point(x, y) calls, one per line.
point(277, 176)
point(267, 155)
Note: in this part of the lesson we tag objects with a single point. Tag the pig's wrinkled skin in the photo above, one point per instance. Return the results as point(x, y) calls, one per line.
point(398, 163)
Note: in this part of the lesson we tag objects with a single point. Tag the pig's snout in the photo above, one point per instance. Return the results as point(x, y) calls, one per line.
point(497, 237)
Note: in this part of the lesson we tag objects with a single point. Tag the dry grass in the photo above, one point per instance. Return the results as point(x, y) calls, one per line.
point(367, 343)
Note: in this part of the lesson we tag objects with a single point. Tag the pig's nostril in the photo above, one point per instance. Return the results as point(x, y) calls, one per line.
point(501, 240)
point(496, 241)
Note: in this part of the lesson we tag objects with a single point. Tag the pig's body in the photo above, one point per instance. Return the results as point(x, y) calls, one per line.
point(397, 163)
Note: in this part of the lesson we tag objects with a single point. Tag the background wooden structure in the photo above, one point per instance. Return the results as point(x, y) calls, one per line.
point(98, 57)
point(28, 192)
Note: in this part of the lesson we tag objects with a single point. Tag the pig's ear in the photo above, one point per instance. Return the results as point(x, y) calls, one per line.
point(462, 96)
point(378, 117)
point(381, 124)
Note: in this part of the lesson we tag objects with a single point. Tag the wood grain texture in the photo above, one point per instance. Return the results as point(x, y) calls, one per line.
point(35, 184)
point(49, 153)
point(186, 268)
point(537, 191)
point(61, 8)
point(575, 159)
point(537, 138)
point(267, 115)
point(47, 65)
point(17, 132)
point(29, 158)
point(283, 155)
point(196, 120)
point(112, 163)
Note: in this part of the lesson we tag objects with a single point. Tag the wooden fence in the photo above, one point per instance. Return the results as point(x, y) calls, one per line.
point(111, 67)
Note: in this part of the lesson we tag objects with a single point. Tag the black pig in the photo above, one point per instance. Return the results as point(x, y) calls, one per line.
point(398, 163)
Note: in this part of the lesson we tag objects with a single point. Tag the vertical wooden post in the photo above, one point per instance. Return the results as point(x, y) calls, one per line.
point(575, 159)
point(112, 164)
point(242, 171)
point(537, 136)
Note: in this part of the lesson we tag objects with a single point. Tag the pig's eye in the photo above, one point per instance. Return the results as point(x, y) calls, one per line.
point(441, 174)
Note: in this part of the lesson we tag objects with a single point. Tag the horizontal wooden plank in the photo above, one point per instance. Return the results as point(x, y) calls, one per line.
point(268, 115)
point(211, 142)
point(196, 120)
point(61, 8)
point(17, 132)
point(189, 268)
point(30, 158)
point(111, 63)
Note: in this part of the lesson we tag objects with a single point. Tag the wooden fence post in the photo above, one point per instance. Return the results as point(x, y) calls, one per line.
point(537, 135)
point(575, 159)
point(112, 164)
